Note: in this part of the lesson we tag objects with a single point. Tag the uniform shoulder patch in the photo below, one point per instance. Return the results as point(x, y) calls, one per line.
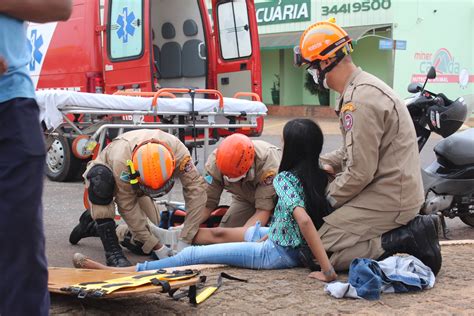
point(347, 121)
point(208, 178)
point(267, 177)
point(125, 176)
point(348, 107)
point(186, 164)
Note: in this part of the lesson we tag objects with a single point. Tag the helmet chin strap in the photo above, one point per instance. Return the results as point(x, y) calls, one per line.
point(322, 72)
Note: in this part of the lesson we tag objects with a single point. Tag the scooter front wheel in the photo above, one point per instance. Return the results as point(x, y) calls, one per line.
point(468, 219)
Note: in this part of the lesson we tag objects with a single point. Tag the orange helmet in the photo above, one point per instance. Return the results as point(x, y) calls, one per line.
point(322, 40)
point(235, 155)
point(155, 164)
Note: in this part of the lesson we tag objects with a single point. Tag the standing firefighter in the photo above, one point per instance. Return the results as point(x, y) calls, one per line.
point(132, 170)
point(377, 190)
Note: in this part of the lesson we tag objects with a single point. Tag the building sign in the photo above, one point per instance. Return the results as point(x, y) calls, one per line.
point(447, 69)
point(385, 44)
point(400, 45)
point(388, 44)
point(283, 11)
point(352, 7)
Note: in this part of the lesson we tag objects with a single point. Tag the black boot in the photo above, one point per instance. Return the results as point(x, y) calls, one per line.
point(418, 238)
point(113, 252)
point(133, 245)
point(87, 227)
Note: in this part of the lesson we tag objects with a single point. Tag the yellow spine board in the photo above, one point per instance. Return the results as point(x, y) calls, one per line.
point(101, 288)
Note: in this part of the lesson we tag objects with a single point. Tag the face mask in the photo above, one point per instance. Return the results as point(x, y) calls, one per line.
point(315, 74)
point(325, 84)
point(232, 180)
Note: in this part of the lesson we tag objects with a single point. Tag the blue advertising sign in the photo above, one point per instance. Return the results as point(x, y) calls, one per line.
point(385, 44)
point(401, 45)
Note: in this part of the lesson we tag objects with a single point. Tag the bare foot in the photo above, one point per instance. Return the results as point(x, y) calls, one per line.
point(82, 262)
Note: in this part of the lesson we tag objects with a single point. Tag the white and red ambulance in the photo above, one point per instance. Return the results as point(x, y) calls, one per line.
point(144, 45)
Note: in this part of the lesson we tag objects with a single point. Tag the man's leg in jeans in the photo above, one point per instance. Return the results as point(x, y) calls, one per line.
point(24, 274)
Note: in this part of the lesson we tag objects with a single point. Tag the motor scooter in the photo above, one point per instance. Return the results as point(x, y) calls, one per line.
point(449, 180)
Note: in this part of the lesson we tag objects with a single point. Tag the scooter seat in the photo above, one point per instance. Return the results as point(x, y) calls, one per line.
point(457, 149)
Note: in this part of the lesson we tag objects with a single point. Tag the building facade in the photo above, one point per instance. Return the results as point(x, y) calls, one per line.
point(396, 40)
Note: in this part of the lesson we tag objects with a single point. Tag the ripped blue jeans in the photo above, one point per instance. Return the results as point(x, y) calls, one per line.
point(249, 254)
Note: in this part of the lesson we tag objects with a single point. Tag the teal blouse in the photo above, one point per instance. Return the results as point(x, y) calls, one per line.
point(284, 229)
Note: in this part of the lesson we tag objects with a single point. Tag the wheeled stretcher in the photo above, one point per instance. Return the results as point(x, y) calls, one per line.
point(87, 117)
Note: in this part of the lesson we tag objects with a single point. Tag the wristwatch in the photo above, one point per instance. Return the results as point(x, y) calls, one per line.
point(329, 272)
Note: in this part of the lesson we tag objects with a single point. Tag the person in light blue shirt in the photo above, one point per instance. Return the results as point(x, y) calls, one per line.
point(15, 82)
point(24, 273)
point(300, 187)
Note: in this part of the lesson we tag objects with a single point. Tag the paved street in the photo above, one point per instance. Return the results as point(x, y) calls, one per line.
point(63, 202)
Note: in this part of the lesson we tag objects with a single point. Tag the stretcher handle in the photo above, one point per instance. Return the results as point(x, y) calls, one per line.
point(162, 91)
point(248, 94)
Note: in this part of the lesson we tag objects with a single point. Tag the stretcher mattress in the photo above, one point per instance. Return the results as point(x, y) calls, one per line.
point(52, 102)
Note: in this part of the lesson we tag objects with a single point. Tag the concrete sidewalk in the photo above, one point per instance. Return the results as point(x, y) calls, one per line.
point(330, 126)
point(274, 125)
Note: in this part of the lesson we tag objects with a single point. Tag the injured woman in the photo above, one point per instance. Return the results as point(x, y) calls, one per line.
point(300, 186)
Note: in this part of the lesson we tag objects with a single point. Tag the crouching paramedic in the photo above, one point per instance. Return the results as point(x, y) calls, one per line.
point(132, 170)
point(246, 169)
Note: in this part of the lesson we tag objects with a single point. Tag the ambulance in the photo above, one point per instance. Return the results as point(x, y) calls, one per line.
point(145, 45)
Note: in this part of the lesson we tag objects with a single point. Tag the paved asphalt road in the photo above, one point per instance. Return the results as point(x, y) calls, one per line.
point(63, 204)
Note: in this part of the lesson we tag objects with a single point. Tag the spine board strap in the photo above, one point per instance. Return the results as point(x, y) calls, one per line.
point(103, 288)
point(192, 293)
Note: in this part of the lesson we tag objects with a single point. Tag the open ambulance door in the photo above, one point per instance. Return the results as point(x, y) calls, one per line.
point(238, 67)
point(126, 47)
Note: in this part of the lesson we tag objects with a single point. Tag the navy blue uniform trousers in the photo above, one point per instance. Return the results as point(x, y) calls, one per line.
point(23, 267)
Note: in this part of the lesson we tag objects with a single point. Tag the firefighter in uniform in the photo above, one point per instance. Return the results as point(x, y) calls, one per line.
point(136, 167)
point(245, 168)
point(377, 191)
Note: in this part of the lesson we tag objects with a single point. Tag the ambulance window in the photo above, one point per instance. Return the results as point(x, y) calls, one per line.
point(234, 30)
point(126, 29)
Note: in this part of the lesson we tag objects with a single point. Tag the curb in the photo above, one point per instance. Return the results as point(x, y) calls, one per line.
point(456, 242)
point(315, 111)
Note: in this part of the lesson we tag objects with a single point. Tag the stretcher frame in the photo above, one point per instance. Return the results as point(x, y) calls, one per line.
point(97, 130)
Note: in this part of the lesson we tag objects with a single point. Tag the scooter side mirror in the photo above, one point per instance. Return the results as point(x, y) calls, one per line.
point(414, 87)
point(431, 73)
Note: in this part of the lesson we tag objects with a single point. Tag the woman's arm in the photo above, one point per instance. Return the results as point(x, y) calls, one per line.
point(39, 11)
point(260, 215)
point(311, 236)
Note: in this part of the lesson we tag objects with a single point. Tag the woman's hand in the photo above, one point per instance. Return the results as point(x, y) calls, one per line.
point(3, 66)
point(329, 169)
point(323, 277)
point(330, 172)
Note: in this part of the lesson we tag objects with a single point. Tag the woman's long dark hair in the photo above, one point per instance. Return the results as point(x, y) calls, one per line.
point(303, 142)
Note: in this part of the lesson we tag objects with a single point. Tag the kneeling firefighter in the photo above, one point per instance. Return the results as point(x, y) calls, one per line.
point(377, 189)
point(132, 170)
